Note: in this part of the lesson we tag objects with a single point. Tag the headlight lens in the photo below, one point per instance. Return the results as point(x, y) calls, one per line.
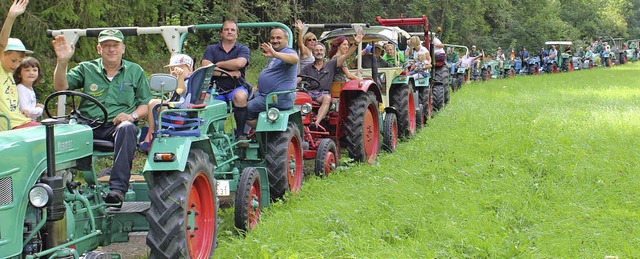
point(273, 114)
point(306, 108)
point(40, 194)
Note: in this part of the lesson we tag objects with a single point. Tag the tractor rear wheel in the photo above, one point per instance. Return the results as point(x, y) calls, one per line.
point(402, 100)
point(284, 161)
point(390, 132)
point(363, 128)
point(247, 201)
point(326, 157)
point(183, 214)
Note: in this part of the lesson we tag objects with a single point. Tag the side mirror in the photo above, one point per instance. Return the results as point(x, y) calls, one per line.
point(163, 83)
point(402, 42)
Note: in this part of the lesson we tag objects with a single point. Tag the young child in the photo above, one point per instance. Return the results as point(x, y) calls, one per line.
point(12, 51)
point(26, 76)
point(181, 67)
point(421, 66)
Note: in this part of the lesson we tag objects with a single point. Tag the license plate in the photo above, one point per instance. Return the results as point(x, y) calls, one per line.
point(222, 188)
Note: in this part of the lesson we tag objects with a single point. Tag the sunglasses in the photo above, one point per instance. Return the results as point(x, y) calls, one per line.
point(312, 39)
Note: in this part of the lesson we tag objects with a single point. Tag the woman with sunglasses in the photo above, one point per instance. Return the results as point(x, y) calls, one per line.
point(305, 45)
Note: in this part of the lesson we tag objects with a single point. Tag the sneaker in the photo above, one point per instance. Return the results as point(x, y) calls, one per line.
point(242, 141)
point(114, 197)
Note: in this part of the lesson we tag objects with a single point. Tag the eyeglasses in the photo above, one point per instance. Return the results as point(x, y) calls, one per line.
point(312, 39)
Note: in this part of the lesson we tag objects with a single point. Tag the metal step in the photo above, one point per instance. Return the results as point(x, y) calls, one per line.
point(131, 207)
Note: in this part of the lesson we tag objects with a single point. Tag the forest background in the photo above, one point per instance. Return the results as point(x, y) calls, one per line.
point(510, 24)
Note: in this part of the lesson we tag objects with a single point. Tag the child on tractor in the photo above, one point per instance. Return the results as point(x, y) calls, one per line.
point(27, 75)
point(12, 51)
point(181, 67)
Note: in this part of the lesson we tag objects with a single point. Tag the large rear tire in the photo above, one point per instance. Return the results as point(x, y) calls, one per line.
point(326, 157)
point(184, 209)
point(284, 161)
point(363, 128)
point(390, 132)
point(402, 100)
point(247, 201)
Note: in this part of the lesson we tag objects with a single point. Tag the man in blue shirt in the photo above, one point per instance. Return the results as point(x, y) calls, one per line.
point(234, 58)
point(278, 75)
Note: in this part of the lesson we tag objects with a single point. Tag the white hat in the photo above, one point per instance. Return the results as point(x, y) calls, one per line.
point(16, 45)
point(180, 59)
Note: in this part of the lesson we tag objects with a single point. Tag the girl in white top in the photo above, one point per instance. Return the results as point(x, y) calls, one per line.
point(27, 75)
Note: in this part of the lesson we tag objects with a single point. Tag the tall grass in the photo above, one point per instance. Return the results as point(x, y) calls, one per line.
point(542, 166)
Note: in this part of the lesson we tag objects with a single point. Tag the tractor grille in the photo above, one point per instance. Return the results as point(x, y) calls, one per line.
point(6, 191)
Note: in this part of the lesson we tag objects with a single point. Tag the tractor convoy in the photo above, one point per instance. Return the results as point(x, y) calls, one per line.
point(51, 195)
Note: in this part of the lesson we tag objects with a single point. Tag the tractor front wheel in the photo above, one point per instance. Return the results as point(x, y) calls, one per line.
point(402, 97)
point(326, 157)
point(425, 97)
point(184, 209)
point(284, 161)
point(247, 201)
point(390, 132)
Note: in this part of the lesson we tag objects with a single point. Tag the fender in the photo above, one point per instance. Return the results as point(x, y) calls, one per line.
point(280, 124)
point(365, 85)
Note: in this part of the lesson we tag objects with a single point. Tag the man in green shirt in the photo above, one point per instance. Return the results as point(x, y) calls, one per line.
point(123, 89)
point(390, 54)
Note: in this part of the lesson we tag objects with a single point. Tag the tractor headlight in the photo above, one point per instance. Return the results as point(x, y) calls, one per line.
point(306, 108)
point(273, 114)
point(40, 194)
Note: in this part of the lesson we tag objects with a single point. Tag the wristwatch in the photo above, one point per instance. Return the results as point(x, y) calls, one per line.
point(135, 116)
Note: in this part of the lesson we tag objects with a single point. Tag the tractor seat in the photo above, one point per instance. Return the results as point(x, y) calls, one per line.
point(102, 145)
point(187, 123)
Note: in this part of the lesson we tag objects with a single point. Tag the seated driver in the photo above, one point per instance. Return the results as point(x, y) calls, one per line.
point(324, 71)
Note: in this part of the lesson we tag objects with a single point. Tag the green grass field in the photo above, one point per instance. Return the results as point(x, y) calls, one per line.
point(543, 166)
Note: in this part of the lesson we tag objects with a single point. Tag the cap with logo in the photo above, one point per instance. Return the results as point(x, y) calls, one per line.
point(16, 45)
point(110, 34)
point(180, 59)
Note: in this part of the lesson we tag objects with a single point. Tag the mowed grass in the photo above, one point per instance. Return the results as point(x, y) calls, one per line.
point(543, 167)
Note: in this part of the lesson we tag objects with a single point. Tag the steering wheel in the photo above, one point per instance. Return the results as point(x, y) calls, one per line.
point(309, 83)
point(74, 113)
point(228, 75)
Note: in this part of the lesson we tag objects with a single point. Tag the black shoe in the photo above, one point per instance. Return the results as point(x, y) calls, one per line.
point(242, 141)
point(114, 198)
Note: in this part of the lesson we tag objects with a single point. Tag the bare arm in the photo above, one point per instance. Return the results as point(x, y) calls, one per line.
point(268, 51)
point(17, 8)
point(231, 64)
point(64, 52)
point(304, 51)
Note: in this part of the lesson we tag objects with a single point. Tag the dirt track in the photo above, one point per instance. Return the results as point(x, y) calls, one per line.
point(135, 248)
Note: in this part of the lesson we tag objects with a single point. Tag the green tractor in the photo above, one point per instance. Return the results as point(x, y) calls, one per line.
point(52, 196)
point(632, 50)
point(458, 74)
point(431, 92)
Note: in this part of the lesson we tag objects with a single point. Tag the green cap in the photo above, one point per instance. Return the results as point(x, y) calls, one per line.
point(110, 34)
point(16, 45)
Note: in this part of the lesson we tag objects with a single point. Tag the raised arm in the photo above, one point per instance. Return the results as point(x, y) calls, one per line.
point(304, 51)
point(291, 58)
point(64, 52)
point(17, 8)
